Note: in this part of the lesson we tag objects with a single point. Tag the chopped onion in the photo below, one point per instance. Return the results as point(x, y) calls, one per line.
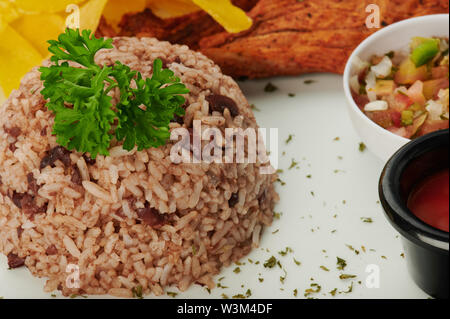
point(358, 65)
point(354, 84)
point(401, 89)
point(371, 82)
point(435, 109)
point(382, 69)
point(376, 106)
point(442, 94)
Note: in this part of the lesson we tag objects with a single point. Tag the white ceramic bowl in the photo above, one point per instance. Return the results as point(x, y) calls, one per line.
point(395, 37)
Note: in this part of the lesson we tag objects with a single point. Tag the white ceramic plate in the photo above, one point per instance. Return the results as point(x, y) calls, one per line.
point(316, 115)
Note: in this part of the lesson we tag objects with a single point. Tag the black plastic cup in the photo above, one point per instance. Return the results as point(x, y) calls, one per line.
point(426, 248)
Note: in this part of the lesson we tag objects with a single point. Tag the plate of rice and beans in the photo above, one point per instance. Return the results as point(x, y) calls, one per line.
point(114, 181)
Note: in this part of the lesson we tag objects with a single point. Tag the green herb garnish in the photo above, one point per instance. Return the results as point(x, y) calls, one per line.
point(341, 263)
point(283, 278)
point(346, 276)
point(254, 108)
point(171, 294)
point(289, 138)
point(315, 288)
point(367, 220)
point(324, 268)
point(362, 147)
point(138, 292)
point(85, 118)
point(219, 285)
point(271, 262)
point(286, 251)
point(294, 164)
point(350, 289)
point(353, 249)
point(269, 88)
point(276, 215)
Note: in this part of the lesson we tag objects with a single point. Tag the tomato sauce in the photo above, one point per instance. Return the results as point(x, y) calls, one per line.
point(429, 200)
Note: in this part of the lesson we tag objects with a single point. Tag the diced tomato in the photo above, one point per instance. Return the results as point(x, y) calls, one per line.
point(396, 118)
point(400, 102)
point(439, 72)
point(382, 118)
point(360, 100)
point(432, 125)
point(362, 75)
point(415, 93)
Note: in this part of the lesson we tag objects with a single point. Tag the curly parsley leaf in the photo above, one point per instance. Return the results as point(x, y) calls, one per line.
point(85, 118)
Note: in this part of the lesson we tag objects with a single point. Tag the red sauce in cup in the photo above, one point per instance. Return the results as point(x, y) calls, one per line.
point(429, 200)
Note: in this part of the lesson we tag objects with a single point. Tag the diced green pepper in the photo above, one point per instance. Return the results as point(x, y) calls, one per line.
point(425, 51)
point(407, 117)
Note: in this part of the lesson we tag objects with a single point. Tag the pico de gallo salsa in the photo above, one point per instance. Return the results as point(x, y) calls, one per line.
point(406, 93)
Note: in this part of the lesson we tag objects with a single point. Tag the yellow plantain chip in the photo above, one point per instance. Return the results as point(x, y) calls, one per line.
point(17, 57)
point(39, 28)
point(115, 9)
point(90, 14)
point(2, 96)
point(7, 14)
point(232, 18)
point(171, 9)
point(47, 6)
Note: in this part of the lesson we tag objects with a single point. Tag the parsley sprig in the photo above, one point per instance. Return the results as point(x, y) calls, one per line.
point(85, 118)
